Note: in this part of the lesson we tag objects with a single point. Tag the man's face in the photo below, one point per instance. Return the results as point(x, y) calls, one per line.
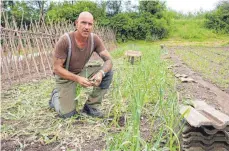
point(84, 26)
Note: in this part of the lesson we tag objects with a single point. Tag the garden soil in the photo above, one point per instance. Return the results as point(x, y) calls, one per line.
point(200, 89)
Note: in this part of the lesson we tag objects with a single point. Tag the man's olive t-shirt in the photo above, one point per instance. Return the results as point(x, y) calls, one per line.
point(79, 57)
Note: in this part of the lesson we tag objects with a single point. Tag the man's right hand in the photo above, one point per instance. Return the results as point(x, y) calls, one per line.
point(84, 82)
point(62, 72)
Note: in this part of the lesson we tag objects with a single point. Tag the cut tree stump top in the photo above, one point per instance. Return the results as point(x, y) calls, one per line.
point(132, 53)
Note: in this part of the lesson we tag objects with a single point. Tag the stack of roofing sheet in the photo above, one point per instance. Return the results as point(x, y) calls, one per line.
point(206, 129)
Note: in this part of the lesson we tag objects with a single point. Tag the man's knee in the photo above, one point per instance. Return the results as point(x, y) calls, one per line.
point(65, 105)
point(106, 81)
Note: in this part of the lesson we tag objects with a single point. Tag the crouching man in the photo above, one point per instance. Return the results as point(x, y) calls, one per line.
point(72, 72)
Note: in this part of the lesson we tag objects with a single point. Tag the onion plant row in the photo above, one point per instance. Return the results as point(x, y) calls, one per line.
point(144, 94)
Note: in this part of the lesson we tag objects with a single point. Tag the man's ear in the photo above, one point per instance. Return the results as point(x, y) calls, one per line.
point(76, 23)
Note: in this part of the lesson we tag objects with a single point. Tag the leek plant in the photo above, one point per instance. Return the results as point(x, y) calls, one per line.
point(145, 89)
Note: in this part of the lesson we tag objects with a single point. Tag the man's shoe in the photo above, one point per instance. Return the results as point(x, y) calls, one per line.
point(54, 96)
point(51, 104)
point(92, 111)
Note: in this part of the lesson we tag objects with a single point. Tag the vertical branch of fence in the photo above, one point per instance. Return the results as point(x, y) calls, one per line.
point(37, 56)
point(8, 39)
point(15, 56)
point(48, 41)
point(31, 52)
point(52, 34)
point(3, 63)
point(21, 46)
point(35, 30)
point(43, 48)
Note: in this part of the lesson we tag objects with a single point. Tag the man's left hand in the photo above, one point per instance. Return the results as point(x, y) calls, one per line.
point(97, 79)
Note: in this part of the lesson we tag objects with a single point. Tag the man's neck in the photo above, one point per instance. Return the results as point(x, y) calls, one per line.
point(80, 38)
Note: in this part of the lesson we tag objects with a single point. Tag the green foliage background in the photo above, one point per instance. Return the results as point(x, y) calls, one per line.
point(149, 20)
point(218, 19)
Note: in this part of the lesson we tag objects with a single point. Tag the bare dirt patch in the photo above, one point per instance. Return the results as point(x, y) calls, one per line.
point(10, 145)
point(201, 89)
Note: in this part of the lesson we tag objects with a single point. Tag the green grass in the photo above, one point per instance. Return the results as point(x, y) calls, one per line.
point(142, 93)
point(193, 30)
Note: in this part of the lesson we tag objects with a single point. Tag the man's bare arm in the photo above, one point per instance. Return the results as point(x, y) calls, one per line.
point(107, 66)
point(62, 72)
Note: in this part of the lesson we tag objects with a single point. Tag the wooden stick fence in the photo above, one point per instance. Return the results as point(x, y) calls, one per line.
point(26, 52)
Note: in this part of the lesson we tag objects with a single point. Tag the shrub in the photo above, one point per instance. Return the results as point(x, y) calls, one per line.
point(218, 20)
point(141, 26)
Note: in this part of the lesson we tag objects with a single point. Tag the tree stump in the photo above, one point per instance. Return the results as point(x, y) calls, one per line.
point(133, 55)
